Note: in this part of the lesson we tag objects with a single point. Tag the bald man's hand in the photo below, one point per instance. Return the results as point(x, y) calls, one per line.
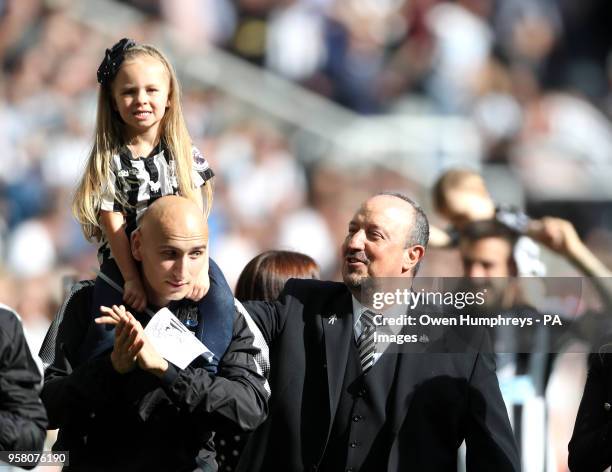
point(134, 342)
point(127, 342)
point(201, 285)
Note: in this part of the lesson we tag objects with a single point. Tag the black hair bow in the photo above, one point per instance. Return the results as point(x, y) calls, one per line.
point(113, 59)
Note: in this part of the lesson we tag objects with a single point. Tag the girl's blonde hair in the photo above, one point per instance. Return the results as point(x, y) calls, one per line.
point(109, 139)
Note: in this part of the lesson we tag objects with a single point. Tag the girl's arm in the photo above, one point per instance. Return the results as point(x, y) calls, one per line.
point(112, 224)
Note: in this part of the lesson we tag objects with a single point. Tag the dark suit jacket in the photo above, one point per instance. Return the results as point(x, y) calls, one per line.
point(590, 449)
point(431, 403)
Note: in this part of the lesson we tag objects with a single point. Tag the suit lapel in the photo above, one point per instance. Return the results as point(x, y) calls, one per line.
point(337, 336)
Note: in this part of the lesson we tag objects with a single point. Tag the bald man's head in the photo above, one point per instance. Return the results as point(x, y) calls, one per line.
point(171, 243)
point(174, 215)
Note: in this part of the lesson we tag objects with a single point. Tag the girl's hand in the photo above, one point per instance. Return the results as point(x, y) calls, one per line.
point(134, 294)
point(201, 286)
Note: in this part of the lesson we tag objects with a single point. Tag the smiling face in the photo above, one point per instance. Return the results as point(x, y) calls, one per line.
point(140, 94)
point(171, 244)
point(375, 245)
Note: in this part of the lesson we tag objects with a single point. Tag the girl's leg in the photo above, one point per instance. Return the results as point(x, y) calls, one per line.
point(216, 312)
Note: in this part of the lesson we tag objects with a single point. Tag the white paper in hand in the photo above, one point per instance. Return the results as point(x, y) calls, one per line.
point(173, 341)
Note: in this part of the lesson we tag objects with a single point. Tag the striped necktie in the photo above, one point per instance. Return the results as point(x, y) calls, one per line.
point(365, 342)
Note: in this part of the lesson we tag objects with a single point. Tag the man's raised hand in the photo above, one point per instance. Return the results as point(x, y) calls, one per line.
point(127, 341)
point(131, 341)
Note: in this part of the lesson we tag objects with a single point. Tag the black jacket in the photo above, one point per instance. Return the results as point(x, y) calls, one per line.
point(138, 422)
point(590, 449)
point(413, 416)
point(23, 420)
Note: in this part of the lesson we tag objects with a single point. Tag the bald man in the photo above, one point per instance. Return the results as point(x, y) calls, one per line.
point(131, 409)
point(339, 405)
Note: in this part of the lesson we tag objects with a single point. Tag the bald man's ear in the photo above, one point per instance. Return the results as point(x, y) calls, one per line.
point(136, 243)
point(412, 256)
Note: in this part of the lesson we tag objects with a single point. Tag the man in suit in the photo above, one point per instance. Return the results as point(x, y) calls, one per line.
point(338, 406)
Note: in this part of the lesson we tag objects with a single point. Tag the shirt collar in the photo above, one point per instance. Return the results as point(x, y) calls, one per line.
point(161, 148)
point(359, 308)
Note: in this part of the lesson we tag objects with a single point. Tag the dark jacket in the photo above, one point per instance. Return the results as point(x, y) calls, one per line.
point(413, 414)
point(590, 449)
point(138, 422)
point(23, 420)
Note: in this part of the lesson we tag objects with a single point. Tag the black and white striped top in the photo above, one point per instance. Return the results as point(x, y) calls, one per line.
point(139, 182)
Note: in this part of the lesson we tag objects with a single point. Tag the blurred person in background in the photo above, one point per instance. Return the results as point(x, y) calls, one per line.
point(462, 41)
point(525, 358)
point(487, 250)
point(461, 197)
point(263, 278)
point(23, 419)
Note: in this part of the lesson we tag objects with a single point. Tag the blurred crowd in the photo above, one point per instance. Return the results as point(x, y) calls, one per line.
point(535, 76)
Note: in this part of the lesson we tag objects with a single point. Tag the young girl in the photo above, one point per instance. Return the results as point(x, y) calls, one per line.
point(142, 151)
